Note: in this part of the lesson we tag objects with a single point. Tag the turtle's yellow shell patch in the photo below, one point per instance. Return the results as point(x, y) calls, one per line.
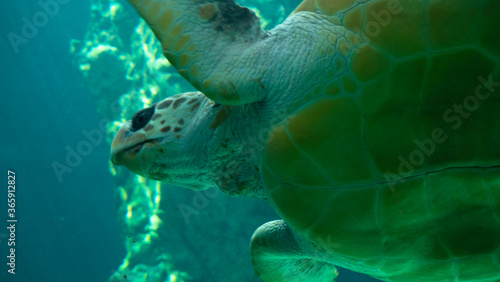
point(206, 83)
point(320, 145)
point(181, 43)
point(177, 30)
point(396, 26)
point(165, 21)
point(194, 70)
point(191, 48)
point(208, 11)
point(344, 47)
point(369, 63)
point(390, 105)
point(183, 60)
point(145, 2)
point(289, 164)
point(332, 88)
point(155, 10)
point(309, 5)
point(327, 7)
point(354, 19)
point(330, 7)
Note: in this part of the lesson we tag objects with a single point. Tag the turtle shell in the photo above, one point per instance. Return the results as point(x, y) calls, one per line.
point(394, 165)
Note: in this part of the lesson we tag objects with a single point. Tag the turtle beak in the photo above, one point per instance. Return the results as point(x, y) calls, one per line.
point(125, 148)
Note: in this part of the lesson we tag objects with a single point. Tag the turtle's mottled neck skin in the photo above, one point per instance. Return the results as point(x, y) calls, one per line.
point(191, 141)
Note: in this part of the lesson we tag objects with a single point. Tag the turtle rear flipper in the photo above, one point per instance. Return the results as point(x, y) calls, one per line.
point(281, 255)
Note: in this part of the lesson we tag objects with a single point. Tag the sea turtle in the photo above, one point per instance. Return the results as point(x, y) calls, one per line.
point(371, 127)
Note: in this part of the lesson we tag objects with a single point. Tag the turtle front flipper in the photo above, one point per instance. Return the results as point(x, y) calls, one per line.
point(206, 42)
point(281, 255)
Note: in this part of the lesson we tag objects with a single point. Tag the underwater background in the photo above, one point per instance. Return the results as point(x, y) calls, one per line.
point(72, 71)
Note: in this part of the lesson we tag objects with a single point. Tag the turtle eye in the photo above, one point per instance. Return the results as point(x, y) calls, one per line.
point(142, 117)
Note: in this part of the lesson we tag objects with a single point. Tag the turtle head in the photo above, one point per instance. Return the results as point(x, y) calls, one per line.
point(166, 142)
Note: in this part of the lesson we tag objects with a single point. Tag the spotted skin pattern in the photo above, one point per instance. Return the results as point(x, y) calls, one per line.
point(167, 119)
point(377, 125)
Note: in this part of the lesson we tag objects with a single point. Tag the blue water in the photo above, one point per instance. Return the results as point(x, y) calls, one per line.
point(66, 228)
point(66, 231)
